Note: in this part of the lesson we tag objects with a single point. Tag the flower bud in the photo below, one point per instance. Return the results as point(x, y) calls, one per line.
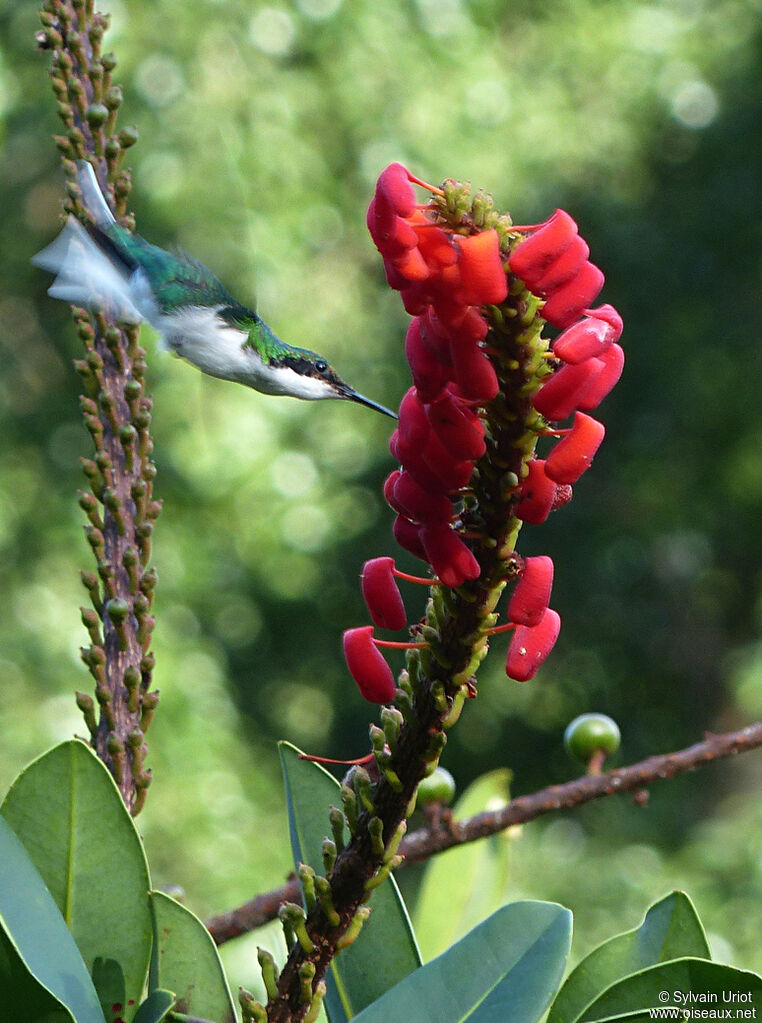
point(367, 665)
point(529, 600)
point(574, 453)
point(531, 645)
point(613, 364)
point(534, 255)
point(584, 340)
point(481, 269)
point(537, 494)
point(450, 558)
point(382, 595)
point(564, 306)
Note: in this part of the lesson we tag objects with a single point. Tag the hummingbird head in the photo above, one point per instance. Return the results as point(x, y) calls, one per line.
point(317, 379)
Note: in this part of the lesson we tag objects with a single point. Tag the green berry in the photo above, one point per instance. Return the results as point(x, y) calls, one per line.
point(438, 787)
point(589, 734)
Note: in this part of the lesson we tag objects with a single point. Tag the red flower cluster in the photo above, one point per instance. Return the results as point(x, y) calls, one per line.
point(446, 280)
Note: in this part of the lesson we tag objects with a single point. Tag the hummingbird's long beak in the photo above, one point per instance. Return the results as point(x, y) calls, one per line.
point(362, 400)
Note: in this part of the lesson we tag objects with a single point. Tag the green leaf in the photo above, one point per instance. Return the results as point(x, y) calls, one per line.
point(507, 968)
point(712, 985)
point(671, 929)
point(188, 964)
point(462, 886)
point(155, 1008)
point(386, 950)
point(69, 815)
point(41, 969)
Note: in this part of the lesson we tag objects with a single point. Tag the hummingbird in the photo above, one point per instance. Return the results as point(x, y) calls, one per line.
point(102, 265)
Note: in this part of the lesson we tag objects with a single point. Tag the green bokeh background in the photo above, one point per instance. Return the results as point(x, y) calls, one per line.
point(263, 127)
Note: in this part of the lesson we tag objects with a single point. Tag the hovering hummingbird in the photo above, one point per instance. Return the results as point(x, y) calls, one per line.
point(103, 265)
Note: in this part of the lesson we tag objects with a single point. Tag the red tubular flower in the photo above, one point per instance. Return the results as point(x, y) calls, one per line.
point(450, 558)
point(410, 499)
point(562, 393)
point(613, 364)
point(382, 595)
point(584, 339)
point(535, 255)
point(564, 306)
point(435, 244)
point(453, 474)
point(529, 601)
point(610, 315)
point(408, 536)
point(414, 426)
point(473, 372)
point(456, 426)
point(426, 366)
point(394, 185)
point(367, 665)
point(574, 453)
point(413, 267)
point(481, 269)
point(530, 645)
point(537, 494)
point(564, 268)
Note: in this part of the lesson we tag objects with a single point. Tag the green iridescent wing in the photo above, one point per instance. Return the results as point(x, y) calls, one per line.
point(176, 279)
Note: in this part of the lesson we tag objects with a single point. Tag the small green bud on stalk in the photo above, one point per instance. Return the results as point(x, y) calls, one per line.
point(292, 916)
point(252, 1010)
point(306, 977)
point(329, 854)
point(325, 898)
point(87, 706)
point(317, 1001)
point(338, 822)
point(355, 926)
point(269, 972)
point(376, 832)
point(307, 881)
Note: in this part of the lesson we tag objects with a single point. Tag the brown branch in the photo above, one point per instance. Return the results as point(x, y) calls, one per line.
point(420, 845)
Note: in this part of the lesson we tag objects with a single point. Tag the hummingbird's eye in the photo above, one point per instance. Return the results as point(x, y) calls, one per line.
point(321, 365)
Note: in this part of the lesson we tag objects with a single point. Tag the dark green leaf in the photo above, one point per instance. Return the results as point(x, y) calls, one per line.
point(386, 950)
point(41, 969)
point(188, 964)
point(711, 985)
point(155, 1008)
point(462, 886)
point(671, 929)
point(69, 815)
point(506, 969)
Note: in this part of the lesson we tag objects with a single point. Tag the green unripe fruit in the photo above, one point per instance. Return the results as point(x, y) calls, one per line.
point(589, 734)
point(438, 787)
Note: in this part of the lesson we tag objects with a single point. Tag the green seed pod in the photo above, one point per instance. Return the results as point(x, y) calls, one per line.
point(438, 787)
point(96, 114)
point(128, 136)
point(589, 734)
point(117, 610)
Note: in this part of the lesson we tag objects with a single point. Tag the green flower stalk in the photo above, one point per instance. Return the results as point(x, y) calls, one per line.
point(117, 414)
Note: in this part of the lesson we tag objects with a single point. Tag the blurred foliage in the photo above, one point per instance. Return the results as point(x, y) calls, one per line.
point(263, 127)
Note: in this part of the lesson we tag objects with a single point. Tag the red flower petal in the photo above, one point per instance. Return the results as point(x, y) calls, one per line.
point(574, 453)
point(453, 474)
point(536, 494)
point(473, 372)
point(584, 339)
point(435, 244)
point(367, 666)
point(562, 393)
point(407, 535)
point(412, 457)
point(531, 645)
point(481, 268)
point(413, 266)
point(535, 255)
point(564, 306)
point(564, 268)
point(529, 600)
point(450, 558)
point(459, 430)
point(613, 364)
point(414, 502)
point(382, 595)
point(413, 424)
point(394, 185)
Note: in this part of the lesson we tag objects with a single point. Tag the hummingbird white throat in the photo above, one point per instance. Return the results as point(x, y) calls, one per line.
point(102, 265)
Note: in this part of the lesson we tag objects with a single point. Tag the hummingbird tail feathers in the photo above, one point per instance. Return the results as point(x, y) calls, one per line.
point(86, 272)
point(92, 196)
